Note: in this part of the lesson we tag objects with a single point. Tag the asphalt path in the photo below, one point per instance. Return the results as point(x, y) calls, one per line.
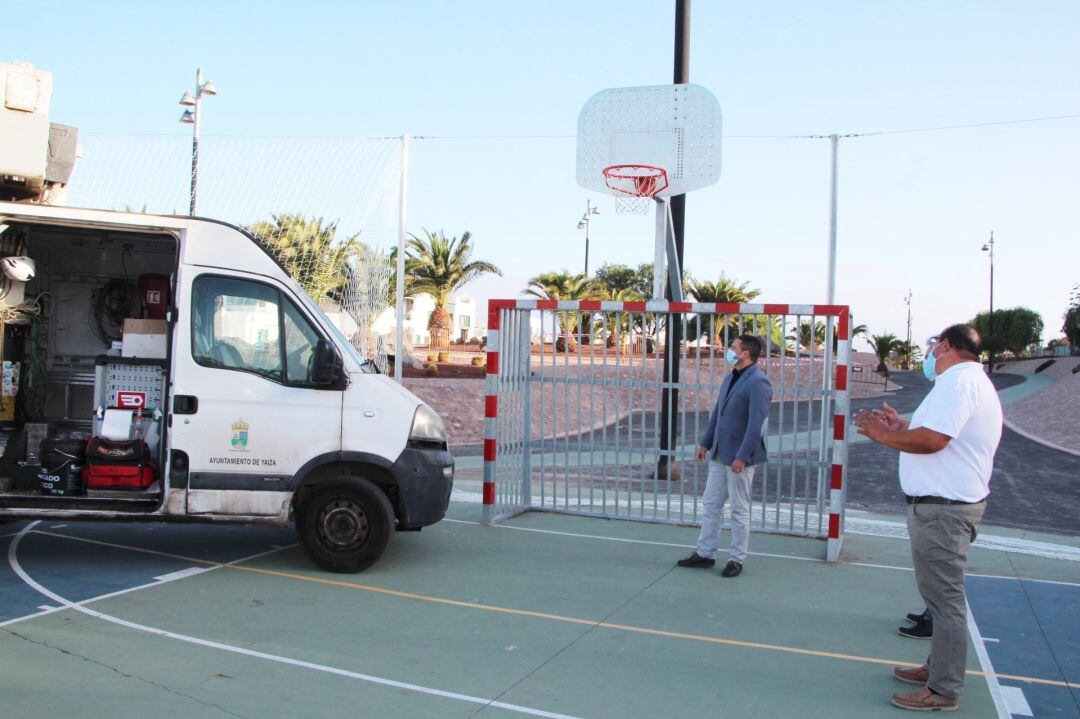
point(1033, 486)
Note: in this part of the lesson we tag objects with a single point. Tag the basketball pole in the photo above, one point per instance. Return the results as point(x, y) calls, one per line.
point(669, 398)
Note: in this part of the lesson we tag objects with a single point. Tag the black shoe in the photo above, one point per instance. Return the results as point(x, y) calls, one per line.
point(921, 630)
point(733, 569)
point(917, 618)
point(696, 560)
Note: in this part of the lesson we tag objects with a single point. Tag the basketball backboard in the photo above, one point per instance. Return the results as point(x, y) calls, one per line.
point(673, 127)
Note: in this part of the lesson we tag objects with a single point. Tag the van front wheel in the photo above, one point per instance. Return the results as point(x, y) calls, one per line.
point(344, 524)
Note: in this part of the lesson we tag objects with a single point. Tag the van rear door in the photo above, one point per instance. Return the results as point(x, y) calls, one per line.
point(246, 410)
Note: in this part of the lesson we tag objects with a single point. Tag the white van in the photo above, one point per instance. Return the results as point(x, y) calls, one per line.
point(265, 412)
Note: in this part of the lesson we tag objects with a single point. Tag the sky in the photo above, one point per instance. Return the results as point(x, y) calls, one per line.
point(492, 91)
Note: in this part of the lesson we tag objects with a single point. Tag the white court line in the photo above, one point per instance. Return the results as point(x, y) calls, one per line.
point(13, 561)
point(988, 668)
point(164, 579)
point(756, 554)
point(991, 639)
point(189, 572)
point(1016, 701)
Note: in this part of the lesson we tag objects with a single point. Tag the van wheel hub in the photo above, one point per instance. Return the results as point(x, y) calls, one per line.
point(343, 524)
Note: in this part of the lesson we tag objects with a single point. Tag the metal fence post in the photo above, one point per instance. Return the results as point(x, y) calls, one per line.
point(842, 407)
point(525, 343)
point(491, 410)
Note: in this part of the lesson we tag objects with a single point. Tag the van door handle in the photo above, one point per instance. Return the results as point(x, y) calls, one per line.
point(185, 404)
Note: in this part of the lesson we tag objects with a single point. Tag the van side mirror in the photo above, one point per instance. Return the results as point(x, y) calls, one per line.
point(329, 369)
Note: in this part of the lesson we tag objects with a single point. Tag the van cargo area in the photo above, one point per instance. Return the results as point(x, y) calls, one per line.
point(83, 313)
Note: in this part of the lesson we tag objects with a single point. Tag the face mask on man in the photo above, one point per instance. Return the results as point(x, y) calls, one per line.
point(929, 365)
point(730, 357)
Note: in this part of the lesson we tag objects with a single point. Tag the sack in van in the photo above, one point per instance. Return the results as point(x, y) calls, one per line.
point(118, 476)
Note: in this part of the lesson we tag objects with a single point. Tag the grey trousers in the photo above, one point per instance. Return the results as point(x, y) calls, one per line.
point(941, 535)
point(721, 484)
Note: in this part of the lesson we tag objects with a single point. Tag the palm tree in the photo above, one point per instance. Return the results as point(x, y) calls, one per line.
point(909, 352)
point(884, 345)
point(723, 290)
point(309, 251)
point(616, 323)
point(809, 334)
point(439, 267)
point(562, 286)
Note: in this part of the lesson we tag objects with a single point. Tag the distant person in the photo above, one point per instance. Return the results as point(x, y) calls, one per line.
point(946, 458)
point(734, 444)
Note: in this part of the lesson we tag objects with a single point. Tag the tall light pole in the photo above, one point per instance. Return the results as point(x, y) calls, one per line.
point(989, 247)
point(907, 350)
point(191, 117)
point(583, 224)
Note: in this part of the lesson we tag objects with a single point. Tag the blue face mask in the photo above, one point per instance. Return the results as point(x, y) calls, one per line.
point(730, 357)
point(929, 367)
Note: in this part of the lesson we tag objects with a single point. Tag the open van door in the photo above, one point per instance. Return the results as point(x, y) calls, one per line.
point(257, 391)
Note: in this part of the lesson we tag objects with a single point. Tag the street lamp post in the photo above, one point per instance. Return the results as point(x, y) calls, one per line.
point(583, 224)
point(989, 248)
point(907, 346)
point(191, 117)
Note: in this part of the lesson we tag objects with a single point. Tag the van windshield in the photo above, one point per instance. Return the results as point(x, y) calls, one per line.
point(366, 366)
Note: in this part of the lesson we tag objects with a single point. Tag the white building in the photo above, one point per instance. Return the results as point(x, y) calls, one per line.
point(418, 311)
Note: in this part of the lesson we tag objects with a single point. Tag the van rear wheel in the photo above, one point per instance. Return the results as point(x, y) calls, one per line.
point(344, 525)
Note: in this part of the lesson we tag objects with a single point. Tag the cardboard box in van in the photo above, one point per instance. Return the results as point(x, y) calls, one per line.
point(144, 338)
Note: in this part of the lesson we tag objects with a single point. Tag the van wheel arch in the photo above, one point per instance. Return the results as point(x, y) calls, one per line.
point(377, 475)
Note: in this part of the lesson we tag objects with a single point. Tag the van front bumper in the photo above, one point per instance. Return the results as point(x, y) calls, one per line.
point(425, 478)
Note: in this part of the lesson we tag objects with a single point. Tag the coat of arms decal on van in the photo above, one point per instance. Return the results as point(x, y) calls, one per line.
point(239, 440)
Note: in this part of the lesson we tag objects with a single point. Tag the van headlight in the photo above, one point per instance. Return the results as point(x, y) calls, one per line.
point(427, 429)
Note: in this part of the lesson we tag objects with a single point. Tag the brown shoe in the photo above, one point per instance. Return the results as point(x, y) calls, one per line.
point(912, 675)
point(924, 700)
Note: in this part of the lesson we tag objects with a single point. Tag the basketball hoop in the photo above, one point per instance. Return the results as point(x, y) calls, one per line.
point(635, 186)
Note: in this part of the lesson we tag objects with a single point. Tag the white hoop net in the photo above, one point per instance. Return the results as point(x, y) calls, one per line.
point(306, 200)
point(634, 187)
point(631, 205)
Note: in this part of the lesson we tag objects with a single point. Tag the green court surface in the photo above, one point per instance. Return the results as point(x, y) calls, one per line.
point(546, 615)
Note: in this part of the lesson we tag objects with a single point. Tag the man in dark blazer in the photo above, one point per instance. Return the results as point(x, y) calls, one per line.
point(735, 445)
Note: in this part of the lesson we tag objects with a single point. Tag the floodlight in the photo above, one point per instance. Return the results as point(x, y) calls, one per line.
point(208, 88)
point(188, 118)
point(187, 100)
point(581, 225)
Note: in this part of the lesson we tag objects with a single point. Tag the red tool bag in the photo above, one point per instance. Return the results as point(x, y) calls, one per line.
point(118, 464)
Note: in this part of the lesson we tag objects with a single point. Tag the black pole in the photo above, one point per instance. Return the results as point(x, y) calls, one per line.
point(669, 398)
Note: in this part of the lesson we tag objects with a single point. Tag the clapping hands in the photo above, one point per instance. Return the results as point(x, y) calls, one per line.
point(873, 423)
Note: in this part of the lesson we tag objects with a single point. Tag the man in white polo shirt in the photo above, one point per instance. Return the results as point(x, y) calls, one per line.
point(946, 458)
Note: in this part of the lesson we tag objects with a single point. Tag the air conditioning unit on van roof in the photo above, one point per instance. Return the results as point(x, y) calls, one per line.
point(25, 93)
